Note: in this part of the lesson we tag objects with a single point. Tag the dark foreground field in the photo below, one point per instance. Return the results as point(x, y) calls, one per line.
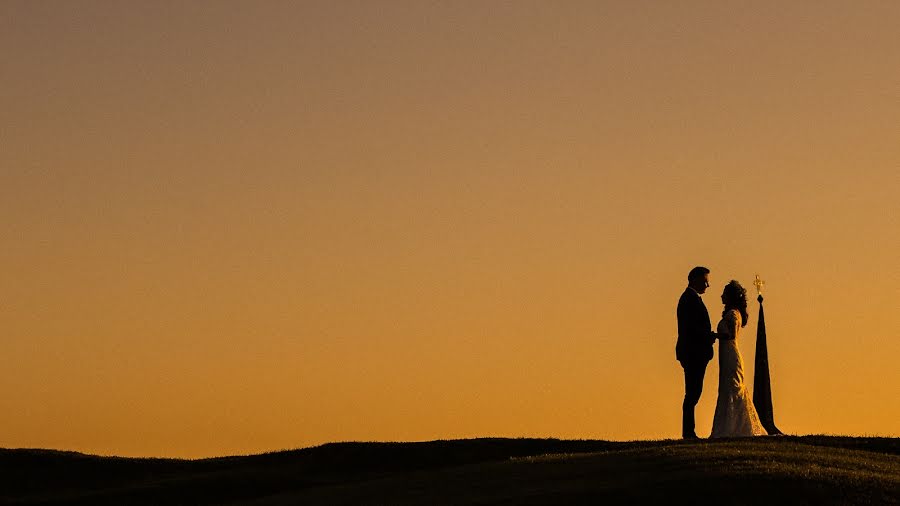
point(785, 470)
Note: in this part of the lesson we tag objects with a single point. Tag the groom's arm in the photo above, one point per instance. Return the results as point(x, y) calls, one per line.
point(693, 321)
point(704, 326)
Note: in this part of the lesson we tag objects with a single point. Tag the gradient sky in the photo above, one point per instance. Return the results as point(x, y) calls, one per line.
point(232, 227)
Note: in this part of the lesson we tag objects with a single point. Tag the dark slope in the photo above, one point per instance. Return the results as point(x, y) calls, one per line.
point(798, 470)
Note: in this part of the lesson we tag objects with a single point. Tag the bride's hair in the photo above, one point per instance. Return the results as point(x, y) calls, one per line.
point(735, 297)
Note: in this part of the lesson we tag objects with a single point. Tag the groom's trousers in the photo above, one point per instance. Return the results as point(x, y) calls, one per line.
point(694, 371)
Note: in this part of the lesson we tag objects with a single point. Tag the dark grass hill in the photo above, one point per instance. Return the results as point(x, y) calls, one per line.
point(769, 470)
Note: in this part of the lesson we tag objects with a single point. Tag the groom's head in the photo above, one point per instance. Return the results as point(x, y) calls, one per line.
point(698, 279)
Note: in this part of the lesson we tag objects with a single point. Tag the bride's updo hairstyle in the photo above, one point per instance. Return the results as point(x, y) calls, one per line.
point(735, 297)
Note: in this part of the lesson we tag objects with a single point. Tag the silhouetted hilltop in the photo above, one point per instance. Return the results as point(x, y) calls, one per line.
point(796, 470)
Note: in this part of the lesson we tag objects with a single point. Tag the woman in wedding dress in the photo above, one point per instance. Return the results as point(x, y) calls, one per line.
point(735, 414)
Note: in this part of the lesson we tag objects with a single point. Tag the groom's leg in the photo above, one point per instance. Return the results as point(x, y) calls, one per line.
point(693, 387)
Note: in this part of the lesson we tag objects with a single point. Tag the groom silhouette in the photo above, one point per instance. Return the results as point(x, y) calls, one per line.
point(695, 344)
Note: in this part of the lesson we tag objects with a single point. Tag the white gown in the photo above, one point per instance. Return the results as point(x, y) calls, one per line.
point(735, 414)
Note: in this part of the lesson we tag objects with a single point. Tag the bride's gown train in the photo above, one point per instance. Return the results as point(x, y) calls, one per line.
point(735, 414)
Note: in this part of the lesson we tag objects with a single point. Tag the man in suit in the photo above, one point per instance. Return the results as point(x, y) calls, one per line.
point(695, 344)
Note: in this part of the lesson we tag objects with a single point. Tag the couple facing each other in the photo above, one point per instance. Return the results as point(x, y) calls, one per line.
point(735, 414)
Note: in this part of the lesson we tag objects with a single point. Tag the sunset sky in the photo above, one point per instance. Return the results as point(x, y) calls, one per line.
point(235, 227)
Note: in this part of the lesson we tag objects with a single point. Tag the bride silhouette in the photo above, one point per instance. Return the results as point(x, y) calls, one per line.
point(735, 414)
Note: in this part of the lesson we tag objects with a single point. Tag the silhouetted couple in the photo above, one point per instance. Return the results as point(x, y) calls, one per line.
point(735, 414)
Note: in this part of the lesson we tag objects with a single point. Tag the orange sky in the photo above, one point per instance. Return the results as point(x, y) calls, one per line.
point(233, 227)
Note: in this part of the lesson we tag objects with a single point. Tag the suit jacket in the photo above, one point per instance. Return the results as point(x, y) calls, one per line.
point(695, 336)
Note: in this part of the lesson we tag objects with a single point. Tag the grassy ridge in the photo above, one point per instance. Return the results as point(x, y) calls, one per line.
point(797, 470)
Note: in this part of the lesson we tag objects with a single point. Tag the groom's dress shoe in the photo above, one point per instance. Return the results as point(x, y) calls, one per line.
point(690, 436)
